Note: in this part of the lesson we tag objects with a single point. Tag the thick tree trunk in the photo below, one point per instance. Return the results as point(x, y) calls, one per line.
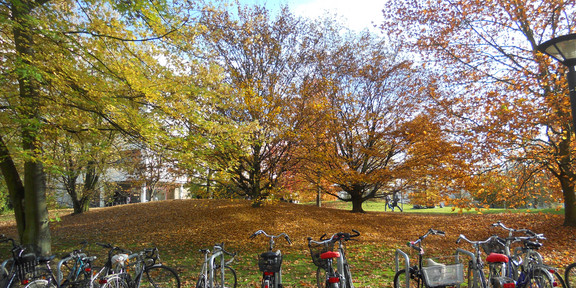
point(357, 204)
point(569, 201)
point(36, 232)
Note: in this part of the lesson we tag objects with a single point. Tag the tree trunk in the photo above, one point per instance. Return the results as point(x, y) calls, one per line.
point(357, 204)
point(569, 201)
point(15, 186)
point(36, 232)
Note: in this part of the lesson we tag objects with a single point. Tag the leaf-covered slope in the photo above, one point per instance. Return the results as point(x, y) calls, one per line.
point(186, 224)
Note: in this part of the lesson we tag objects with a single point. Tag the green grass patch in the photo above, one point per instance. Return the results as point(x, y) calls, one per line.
point(380, 206)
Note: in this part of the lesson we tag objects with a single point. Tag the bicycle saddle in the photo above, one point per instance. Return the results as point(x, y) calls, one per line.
point(497, 258)
point(329, 255)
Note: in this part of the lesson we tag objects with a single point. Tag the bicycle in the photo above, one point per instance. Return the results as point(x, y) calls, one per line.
point(496, 266)
point(75, 269)
point(25, 269)
point(427, 272)
point(270, 262)
point(149, 271)
point(570, 275)
point(217, 262)
point(323, 256)
point(523, 271)
point(113, 274)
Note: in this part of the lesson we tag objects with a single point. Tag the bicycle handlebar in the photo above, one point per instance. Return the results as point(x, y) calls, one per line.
point(476, 243)
point(3, 238)
point(416, 244)
point(272, 237)
point(528, 232)
point(113, 248)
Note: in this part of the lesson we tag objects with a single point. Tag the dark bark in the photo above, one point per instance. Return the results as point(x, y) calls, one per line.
point(15, 186)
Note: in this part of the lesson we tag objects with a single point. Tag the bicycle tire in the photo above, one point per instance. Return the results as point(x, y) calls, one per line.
point(321, 278)
point(558, 279)
point(400, 279)
point(4, 277)
point(230, 280)
point(40, 283)
point(473, 277)
point(201, 282)
point(348, 274)
point(79, 281)
point(115, 281)
point(160, 276)
point(266, 283)
point(570, 276)
point(541, 278)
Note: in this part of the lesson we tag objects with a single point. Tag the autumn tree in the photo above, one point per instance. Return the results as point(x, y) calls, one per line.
point(86, 57)
point(261, 56)
point(509, 98)
point(377, 131)
point(83, 157)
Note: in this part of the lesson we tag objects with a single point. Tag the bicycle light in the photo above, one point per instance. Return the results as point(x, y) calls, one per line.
point(333, 280)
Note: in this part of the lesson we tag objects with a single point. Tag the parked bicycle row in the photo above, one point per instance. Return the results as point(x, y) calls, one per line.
point(126, 269)
point(511, 261)
point(122, 269)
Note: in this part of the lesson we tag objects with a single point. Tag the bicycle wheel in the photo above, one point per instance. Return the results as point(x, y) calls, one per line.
point(321, 278)
point(474, 277)
point(570, 276)
point(266, 283)
point(400, 279)
point(75, 277)
point(229, 277)
point(540, 278)
point(201, 282)
point(558, 280)
point(348, 275)
point(115, 281)
point(159, 276)
point(40, 283)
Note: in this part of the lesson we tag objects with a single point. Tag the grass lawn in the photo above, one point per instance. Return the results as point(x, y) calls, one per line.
point(380, 206)
point(180, 227)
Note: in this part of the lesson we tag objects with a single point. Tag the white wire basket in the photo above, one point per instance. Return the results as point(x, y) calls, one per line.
point(443, 274)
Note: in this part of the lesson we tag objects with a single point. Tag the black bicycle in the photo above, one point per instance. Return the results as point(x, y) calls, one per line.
point(25, 269)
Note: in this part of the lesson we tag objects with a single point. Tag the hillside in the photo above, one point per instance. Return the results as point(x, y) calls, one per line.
point(180, 227)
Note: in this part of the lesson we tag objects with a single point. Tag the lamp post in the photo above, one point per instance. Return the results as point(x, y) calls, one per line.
point(563, 49)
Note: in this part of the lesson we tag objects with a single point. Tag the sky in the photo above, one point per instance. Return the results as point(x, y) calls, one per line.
point(358, 14)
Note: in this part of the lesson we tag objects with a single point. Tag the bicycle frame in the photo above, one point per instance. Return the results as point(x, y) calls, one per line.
point(341, 262)
point(532, 258)
point(209, 264)
point(415, 270)
point(494, 277)
point(21, 264)
point(271, 272)
point(342, 273)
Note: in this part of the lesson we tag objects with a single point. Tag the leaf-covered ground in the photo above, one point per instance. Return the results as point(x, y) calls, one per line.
point(180, 227)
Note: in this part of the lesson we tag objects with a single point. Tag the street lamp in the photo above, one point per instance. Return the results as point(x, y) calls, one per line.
point(563, 49)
